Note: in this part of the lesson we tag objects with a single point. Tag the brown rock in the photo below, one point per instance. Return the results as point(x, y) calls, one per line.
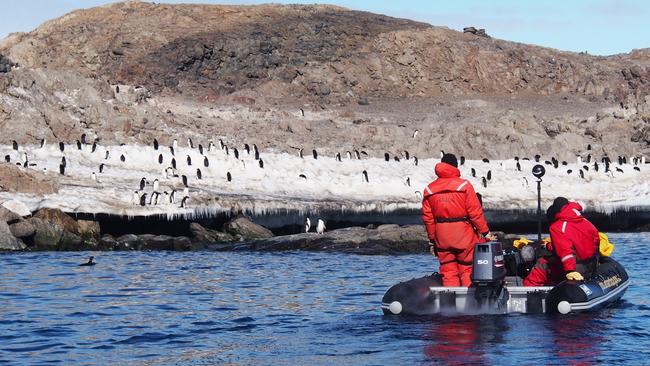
point(8, 216)
point(22, 229)
point(89, 229)
point(60, 218)
point(7, 241)
point(203, 235)
point(247, 229)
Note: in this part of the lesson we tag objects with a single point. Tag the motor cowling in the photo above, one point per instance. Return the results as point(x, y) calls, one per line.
point(488, 266)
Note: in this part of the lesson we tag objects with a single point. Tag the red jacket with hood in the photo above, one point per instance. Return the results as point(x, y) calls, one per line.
point(573, 237)
point(448, 197)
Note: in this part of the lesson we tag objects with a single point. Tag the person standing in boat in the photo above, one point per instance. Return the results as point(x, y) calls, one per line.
point(454, 221)
point(574, 247)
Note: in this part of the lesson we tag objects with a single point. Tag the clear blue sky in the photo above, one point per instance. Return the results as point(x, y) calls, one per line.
point(599, 27)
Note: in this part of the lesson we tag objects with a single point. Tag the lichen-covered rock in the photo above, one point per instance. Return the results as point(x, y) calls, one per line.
point(247, 229)
point(203, 235)
point(22, 229)
point(7, 241)
point(60, 218)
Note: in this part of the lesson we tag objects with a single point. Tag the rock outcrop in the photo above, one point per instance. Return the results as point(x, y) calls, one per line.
point(385, 239)
point(247, 229)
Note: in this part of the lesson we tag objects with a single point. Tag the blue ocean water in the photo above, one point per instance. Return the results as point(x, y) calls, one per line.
point(204, 308)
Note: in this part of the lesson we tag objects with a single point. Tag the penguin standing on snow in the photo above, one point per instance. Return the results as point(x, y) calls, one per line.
point(184, 202)
point(143, 199)
point(307, 224)
point(184, 178)
point(101, 167)
point(320, 226)
point(160, 158)
point(15, 145)
point(155, 144)
point(365, 176)
point(314, 153)
point(143, 183)
point(155, 185)
point(122, 158)
point(198, 174)
point(228, 177)
point(189, 160)
point(61, 146)
point(261, 163)
point(206, 162)
point(338, 156)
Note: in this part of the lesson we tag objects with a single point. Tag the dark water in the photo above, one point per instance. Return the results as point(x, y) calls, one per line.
point(284, 309)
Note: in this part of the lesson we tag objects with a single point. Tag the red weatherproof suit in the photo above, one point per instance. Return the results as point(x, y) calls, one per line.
point(454, 219)
point(574, 244)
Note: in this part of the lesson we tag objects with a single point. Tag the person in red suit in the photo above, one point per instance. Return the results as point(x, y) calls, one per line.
point(454, 221)
point(574, 247)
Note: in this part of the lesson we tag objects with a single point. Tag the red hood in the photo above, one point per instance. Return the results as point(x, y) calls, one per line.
point(572, 211)
point(444, 170)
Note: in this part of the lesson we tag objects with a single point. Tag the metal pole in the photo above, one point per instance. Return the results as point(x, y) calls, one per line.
point(539, 210)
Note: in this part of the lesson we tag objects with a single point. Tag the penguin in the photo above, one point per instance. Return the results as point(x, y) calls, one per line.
point(62, 169)
point(24, 157)
point(486, 160)
point(165, 197)
point(235, 152)
point(366, 154)
point(595, 165)
point(211, 147)
point(637, 168)
point(569, 171)
point(314, 153)
point(221, 144)
point(248, 150)
point(588, 158)
point(15, 145)
point(184, 202)
point(415, 160)
point(396, 158)
point(537, 157)
point(7, 158)
point(198, 173)
point(229, 177)
point(83, 139)
point(206, 162)
point(261, 164)
point(300, 151)
point(226, 150)
point(173, 163)
point(200, 149)
point(579, 159)
point(462, 160)
point(184, 178)
point(484, 182)
point(516, 158)
point(386, 157)
point(172, 196)
point(61, 146)
point(89, 263)
point(320, 226)
point(548, 162)
point(418, 194)
point(581, 173)
point(189, 161)
point(94, 148)
point(356, 154)
point(108, 153)
point(585, 168)
point(588, 146)
point(365, 176)
point(415, 133)
point(473, 172)
point(489, 175)
point(155, 144)
point(442, 153)
point(555, 162)
point(135, 198)
point(156, 185)
point(45, 171)
point(348, 154)
point(160, 158)
point(93, 176)
point(302, 176)
point(143, 183)
point(43, 142)
point(302, 112)
point(172, 151)
point(518, 166)
point(257, 152)
point(338, 156)
point(186, 192)
point(78, 145)
point(64, 162)
point(117, 89)
point(174, 146)
point(619, 170)
point(307, 224)
point(257, 155)
point(190, 144)
point(564, 163)
point(122, 158)
point(143, 199)
point(408, 181)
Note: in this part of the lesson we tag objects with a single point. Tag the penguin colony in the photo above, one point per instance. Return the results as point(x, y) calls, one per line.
point(175, 176)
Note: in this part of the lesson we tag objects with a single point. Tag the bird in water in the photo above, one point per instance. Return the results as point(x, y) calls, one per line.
point(91, 262)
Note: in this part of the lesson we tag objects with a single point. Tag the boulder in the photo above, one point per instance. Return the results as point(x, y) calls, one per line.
point(22, 229)
point(183, 243)
point(7, 241)
point(128, 242)
point(203, 235)
point(247, 229)
point(156, 242)
point(107, 242)
point(50, 236)
point(8, 216)
point(60, 218)
point(89, 229)
point(17, 207)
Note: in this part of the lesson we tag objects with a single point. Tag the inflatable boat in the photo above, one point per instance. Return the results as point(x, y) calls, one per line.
point(497, 289)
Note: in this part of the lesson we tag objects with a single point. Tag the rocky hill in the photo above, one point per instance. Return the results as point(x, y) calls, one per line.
point(287, 77)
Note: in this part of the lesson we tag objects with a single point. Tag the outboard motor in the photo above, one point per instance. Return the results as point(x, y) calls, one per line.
point(488, 275)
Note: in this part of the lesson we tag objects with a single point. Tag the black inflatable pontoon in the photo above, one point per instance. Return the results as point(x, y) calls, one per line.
point(497, 288)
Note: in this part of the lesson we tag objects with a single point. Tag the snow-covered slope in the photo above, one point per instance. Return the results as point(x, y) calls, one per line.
point(277, 187)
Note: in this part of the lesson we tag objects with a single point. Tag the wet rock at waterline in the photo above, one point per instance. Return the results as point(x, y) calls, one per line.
point(7, 241)
point(203, 235)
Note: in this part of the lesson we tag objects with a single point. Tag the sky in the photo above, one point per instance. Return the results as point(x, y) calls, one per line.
point(599, 27)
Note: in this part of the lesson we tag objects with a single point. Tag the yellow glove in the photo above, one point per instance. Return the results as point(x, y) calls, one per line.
point(574, 276)
point(519, 243)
